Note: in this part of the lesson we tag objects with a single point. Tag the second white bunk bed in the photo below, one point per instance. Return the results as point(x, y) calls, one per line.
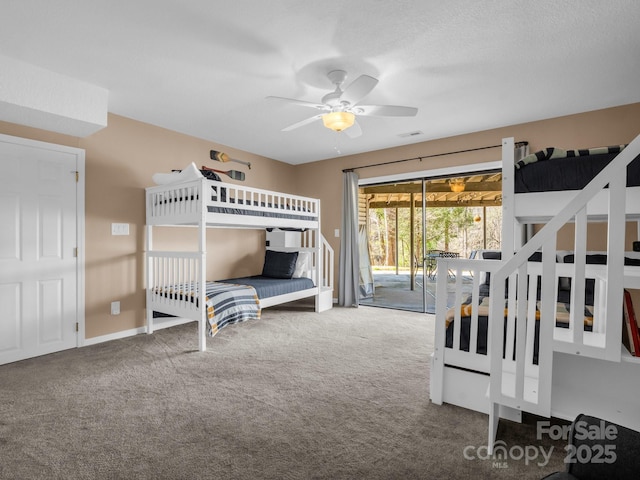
point(177, 282)
point(513, 345)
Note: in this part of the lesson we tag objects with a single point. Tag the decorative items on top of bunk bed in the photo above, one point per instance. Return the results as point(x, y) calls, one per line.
point(233, 174)
point(223, 157)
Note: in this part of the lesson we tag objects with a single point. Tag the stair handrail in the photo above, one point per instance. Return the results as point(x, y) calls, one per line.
point(327, 263)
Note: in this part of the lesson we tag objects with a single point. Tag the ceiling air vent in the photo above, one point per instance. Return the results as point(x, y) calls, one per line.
point(411, 134)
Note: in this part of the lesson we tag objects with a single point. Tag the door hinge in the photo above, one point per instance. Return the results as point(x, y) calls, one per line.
point(77, 327)
point(75, 251)
point(77, 176)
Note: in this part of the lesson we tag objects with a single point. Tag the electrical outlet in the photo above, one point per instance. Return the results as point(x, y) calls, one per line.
point(115, 308)
point(336, 233)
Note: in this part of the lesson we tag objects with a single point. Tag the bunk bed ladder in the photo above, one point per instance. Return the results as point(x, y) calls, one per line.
point(515, 380)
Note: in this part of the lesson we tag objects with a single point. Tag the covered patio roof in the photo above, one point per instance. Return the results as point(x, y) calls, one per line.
point(481, 190)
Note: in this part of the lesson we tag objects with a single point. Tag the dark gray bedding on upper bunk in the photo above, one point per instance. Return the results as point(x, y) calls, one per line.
point(568, 173)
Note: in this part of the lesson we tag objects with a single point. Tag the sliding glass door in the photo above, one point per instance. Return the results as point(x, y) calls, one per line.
point(410, 225)
point(393, 215)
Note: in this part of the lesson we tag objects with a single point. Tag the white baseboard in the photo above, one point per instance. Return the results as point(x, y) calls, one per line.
point(114, 336)
point(158, 323)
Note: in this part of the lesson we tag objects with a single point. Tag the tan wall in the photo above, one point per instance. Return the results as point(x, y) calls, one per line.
point(121, 158)
point(599, 128)
point(596, 236)
point(120, 161)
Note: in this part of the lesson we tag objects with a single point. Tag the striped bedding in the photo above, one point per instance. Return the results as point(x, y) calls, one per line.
point(466, 309)
point(226, 303)
point(552, 153)
point(562, 312)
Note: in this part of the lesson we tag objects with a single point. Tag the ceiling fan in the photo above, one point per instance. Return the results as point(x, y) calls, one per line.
point(341, 107)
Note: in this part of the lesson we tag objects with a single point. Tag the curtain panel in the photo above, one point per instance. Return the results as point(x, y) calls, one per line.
point(349, 273)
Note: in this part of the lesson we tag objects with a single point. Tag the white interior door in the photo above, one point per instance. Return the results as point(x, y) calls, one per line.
point(38, 248)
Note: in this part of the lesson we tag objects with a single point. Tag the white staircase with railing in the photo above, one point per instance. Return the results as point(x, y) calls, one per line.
point(516, 381)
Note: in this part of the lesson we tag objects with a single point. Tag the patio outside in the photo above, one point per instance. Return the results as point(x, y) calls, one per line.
point(458, 223)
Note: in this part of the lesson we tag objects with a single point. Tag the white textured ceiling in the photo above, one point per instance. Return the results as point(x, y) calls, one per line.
point(204, 67)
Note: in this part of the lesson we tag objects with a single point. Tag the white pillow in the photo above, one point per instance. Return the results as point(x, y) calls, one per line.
point(303, 264)
point(189, 173)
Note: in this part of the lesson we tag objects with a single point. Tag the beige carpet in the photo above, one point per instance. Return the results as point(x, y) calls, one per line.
point(295, 395)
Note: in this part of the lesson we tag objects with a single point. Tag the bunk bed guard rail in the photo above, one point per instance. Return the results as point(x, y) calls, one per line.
point(185, 203)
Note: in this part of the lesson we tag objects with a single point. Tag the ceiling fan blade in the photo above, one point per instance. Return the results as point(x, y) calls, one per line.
point(353, 131)
point(302, 103)
point(358, 89)
point(385, 111)
point(302, 123)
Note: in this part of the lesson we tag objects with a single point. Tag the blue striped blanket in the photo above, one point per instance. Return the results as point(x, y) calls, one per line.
point(226, 303)
point(552, 153)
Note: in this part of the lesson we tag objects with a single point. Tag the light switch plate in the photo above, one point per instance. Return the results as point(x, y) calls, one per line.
point(119, 229)
point(115, 308)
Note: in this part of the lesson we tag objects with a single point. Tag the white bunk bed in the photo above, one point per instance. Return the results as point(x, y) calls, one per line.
point(512, 356)
point(175, 278)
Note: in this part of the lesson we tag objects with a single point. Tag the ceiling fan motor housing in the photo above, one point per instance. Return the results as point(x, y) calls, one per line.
point(337, 77)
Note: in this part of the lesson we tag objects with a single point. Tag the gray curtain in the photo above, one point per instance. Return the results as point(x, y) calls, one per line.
point(349, 275)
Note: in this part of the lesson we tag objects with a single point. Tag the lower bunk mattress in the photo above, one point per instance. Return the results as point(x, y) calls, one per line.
point(266, 287)
point(237, 300)
point(562, 321)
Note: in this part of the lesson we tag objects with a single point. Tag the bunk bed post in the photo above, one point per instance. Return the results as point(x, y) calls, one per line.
point(437, 359)
point(508, 248)
point(508, 198)
point(202, 273)
point(319, 267)
point(615, 264)
point(149, 267)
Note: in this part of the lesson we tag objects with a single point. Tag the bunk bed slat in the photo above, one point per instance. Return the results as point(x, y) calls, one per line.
point(576, 319)
point(473, 332)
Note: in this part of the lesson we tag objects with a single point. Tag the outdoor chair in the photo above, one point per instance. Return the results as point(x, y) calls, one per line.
point(431, 261)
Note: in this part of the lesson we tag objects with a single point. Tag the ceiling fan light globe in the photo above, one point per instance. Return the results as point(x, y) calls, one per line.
point(338, 121)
